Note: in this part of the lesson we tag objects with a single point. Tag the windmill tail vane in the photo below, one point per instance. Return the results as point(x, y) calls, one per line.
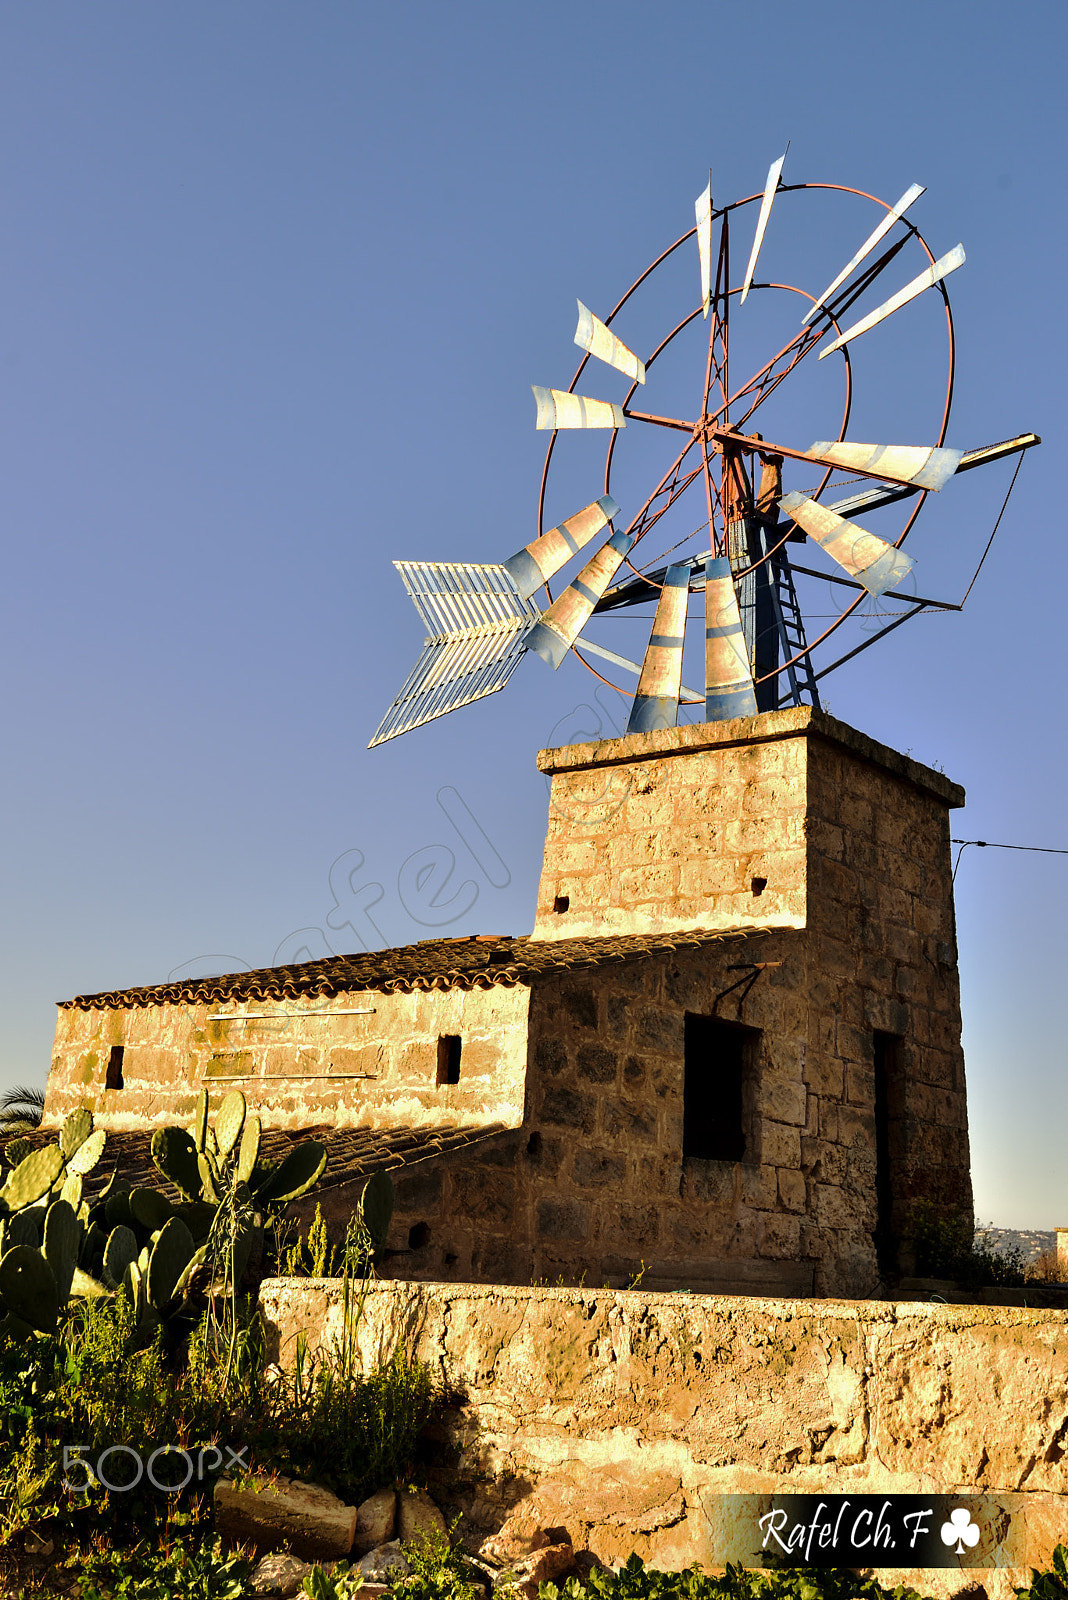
point(481, 619)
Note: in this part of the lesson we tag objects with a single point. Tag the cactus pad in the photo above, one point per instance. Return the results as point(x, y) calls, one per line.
point(75, 1130)
point(175, 1154)
point(120, 1252)
point(229, 1120)
point(28, 1288)
point(376, 1207)
point(88, 1153)
point(249, 1153)
point(32, 1178)
point(301, 1168)
point(171, 1254)
point(150, 1209)
point(62, 1236)
point(200, 1120)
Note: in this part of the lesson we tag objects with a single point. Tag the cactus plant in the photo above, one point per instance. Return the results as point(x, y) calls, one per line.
point(75, 1130)
point(28, 1288)
point(249, 1153)
point(376, 1208)
point(175, 1154)
point(62, 1236)
point(32, 1178)
point(200, 1120)
point(120, 1251)
point(229, 1121)
point(171, 1254)
point(150, 1209)
point(88, 1153)
point(301, 1169)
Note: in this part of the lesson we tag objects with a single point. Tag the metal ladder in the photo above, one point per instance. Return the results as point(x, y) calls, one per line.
point(791, 633)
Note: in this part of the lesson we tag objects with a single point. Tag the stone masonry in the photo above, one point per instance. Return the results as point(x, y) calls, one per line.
point(782, 876)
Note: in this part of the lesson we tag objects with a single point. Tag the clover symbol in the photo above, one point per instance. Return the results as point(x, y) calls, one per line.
point(960, 1530)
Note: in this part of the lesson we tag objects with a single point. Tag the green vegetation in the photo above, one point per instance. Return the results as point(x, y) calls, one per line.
point(948, 1247)
point(634, 1581)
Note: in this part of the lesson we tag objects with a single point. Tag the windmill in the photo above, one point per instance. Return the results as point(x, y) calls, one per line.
point(483, 619)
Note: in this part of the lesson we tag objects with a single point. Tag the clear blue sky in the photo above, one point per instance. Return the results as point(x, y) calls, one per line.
point(274, 283)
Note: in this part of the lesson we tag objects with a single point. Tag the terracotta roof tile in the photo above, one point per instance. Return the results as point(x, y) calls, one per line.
point(351, 1152)
point(480, 962)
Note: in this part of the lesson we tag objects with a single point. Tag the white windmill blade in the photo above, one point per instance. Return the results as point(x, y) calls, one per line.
point(729, 690)
point(770, 187)
point(922, 465)
point(912, 193)
point(558, 409)
point(934, 274)
point(592, 335)
point(540, 560)
point(559, 627)
point(703, 211)
point(873, 562)
point(656, 703)
point(478, 624)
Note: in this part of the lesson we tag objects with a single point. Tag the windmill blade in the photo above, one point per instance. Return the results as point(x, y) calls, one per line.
point(770, 187)
point(538, 561)
point(559, 627)
point(592, 335)
point(558, 409)
point(656, 704)
point(478, 626)
point(912, 193)
point(703, 211)
point(920, 465)
point(873, 562)
point(729, 690)
point(941, 269)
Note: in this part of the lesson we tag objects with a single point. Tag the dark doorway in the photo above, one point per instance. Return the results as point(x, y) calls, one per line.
point(888, 1124)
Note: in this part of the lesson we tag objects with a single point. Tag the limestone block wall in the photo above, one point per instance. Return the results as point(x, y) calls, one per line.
point(299, 1061)
point(624, 1416)
point(595, 1188)
point(694, 827)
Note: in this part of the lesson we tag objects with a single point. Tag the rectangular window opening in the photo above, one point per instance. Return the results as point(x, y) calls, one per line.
point(113, 1075)
point(448, 1059)
point(718, 1090)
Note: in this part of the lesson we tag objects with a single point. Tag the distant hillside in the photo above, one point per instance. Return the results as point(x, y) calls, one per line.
point(1031, 1242)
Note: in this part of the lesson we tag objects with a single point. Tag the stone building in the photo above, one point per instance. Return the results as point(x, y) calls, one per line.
point(729, 1052)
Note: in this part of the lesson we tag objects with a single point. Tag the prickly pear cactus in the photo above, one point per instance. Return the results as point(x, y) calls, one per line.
point(229, 1121)
point(32, 1178)
point(62, 1236)
point(376, 1207)
point(28, 1288)
point(88, 1153)
point(171, 1254)
point(75, 1130)
point(175, 1153)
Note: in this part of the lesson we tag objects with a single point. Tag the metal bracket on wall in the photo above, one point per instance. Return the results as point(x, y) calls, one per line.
point(752, 969)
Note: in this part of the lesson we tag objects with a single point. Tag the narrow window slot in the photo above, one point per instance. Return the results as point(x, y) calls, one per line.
point(448, 1059)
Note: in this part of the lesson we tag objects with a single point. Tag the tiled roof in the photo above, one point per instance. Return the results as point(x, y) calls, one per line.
point(351, 1152)
point(479, 962)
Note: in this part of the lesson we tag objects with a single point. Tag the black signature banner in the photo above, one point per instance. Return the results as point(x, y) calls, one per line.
point(864, 1530)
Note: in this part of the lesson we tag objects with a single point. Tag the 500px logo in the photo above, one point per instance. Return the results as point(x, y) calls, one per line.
point(96, 1476)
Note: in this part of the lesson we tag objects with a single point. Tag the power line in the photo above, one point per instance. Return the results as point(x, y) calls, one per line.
point(989, 844)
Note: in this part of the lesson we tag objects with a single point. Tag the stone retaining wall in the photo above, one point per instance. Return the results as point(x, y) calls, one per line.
point(621, 1416)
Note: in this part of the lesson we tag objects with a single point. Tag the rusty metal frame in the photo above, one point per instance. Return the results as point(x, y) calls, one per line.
point(763, 382)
